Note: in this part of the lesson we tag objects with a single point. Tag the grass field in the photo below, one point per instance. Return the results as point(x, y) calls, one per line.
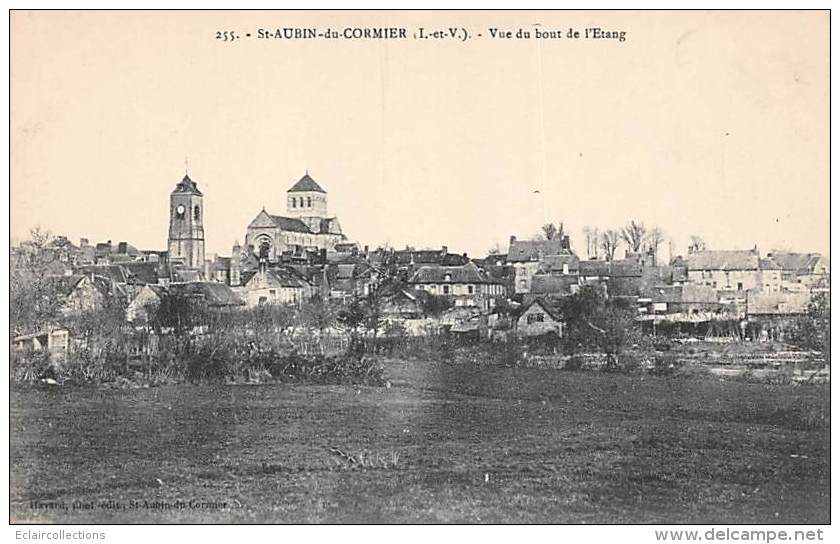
point(443, 444)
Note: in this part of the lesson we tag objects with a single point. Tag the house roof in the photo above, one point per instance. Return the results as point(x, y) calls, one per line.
point(556, 262)
point(535, 250)
point(468, 273)
point(553, 312)
point(796, 262)
point(140, 272)
point(723, 260)
point(118, 273)
point(213, 293)
point(613, 269)
point(284, 277)
point(306, 183)
point(544, 284)
point(186, 185)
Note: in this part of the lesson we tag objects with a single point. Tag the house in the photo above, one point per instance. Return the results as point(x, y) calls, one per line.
point(81, 293)
point(467, 284)
point(403, 304)
point(56, 341)
point(809, 269)
point(278, 285)
point(144, 303)
point(208, 293)
point(349, 279)
point(683, 301)
point(538, 318)
point(738, 270)
point(526, 256)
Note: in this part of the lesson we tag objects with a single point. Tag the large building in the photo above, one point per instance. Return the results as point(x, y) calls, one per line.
point(306, 225)
point(186, 225)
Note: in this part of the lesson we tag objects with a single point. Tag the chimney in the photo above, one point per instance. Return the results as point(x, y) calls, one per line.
point(512, 239)
point(84, 242)
point(444, 250)
point(122, 247)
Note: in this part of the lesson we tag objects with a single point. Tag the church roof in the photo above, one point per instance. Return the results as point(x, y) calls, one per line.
point(290, 223)
point(306, 183)
point(187, 185)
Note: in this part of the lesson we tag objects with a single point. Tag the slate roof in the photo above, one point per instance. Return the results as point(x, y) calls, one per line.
point(306, 183)
point(534, 250)
point(140, 272)
point(117, 273)
point(468, 273)
point(803, 263)
point(213, 293)
point(553, 312)
point(187, 185)
point(612, 269)
point(290, 223)
point(723, 260)
point(544, 284)
point(554, 263)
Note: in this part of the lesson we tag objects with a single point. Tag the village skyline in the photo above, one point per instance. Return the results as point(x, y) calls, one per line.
point(426, 144)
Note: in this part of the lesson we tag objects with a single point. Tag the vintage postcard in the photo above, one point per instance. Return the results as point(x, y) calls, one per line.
point(420, 267)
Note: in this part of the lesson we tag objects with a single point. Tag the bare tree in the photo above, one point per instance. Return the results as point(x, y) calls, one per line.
point(593, 241)
point(549, 231)
point(554, 232)
point(655, 238)
point(634, 233)
point(696, 244)
point(610, 240)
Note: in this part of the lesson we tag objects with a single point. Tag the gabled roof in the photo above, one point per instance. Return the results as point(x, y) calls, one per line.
point(723, 260)
point(612, 269)
point(213, 293)
point(548, 308)
point(187, 185)
point(468, 273)
point(802, 263)
point(535, 250)
point(306, 183)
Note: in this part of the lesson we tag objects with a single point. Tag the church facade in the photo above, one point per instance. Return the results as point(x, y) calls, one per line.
point(305, 226)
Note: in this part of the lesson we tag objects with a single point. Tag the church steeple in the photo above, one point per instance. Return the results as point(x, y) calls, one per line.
point(306, 198)
point(186, 224)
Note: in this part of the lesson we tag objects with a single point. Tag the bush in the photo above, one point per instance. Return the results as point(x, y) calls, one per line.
point(575, 362)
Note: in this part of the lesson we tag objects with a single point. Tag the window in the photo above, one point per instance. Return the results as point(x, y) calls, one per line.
point(263, 300)
point(197, 213)
point(447, 277)
point(272, 292)
point(294, 202)
point(535, 318)
point(445, 289)
point(565, 269)
point(470, 289)
point(309, 202)
point(740, 286)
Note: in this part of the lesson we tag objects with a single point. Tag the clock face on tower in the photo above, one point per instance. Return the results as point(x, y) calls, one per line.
point(179, 211)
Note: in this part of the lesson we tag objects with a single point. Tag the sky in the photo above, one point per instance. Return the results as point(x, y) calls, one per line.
point(706, 123)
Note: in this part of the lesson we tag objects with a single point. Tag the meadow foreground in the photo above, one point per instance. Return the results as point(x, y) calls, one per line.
point(444, 443)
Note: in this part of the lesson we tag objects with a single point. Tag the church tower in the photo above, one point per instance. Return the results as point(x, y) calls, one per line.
point(306, 199)
point(186, 225)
